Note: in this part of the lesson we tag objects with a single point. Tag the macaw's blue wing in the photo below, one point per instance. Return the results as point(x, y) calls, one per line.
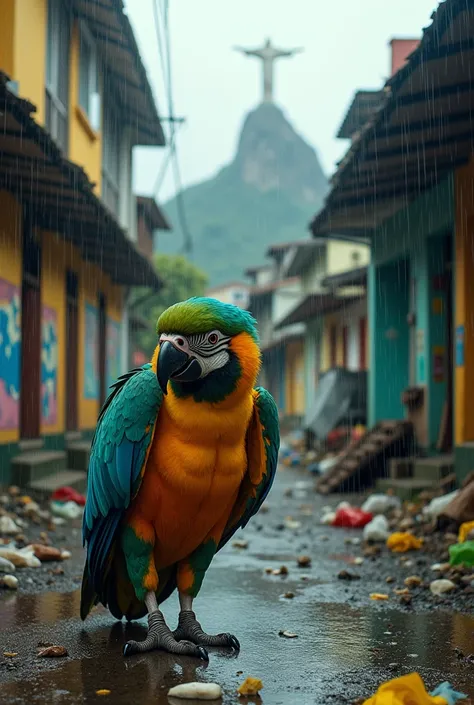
point(263, 444)
point(119, 452)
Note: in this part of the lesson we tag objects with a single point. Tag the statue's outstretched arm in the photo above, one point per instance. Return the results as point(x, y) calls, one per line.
point(289, 52)
point(249, 52)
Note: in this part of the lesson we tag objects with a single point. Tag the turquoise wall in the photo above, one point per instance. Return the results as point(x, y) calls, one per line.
point(414, 236)
point(389, 339)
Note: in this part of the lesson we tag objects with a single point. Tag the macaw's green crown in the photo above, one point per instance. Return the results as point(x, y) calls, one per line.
point(201, 315)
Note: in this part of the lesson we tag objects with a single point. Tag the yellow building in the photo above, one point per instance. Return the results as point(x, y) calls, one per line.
point(74, 100)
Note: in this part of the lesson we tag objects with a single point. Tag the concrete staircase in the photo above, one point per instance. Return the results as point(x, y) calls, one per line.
point(411, 476)
point(45, 470)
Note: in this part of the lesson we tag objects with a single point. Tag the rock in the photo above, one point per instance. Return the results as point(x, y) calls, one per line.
point(346, 575)
point(406, 600)
point(289, 595)
point(290, 523)
point(413, 581)
point(196, 691)
point(405, 524)
point(46, 553)
point(441, 567)
point(14, 491)
point(53, 652)
point(268, 570)
point(65, 555)
point(304, 561)
point(288, 635)
point(358, 560)
point(283, 570)
point(440, 587)
point(30, 509)
point(402, 591)
point(9, 581)
point(250, 686)
point(389, 579)
point(8, 527)
point(467, 579)
point(6, 566)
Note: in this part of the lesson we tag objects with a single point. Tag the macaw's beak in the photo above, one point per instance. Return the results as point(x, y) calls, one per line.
point(176, 364)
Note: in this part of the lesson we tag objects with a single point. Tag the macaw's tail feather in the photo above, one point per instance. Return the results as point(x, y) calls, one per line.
point(88, 596)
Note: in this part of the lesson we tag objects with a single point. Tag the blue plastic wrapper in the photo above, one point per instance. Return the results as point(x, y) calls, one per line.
point(445, 690)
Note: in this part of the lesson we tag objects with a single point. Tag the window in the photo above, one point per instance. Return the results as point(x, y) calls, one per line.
point(57, 68)
point(111, 159)
point(89, 99)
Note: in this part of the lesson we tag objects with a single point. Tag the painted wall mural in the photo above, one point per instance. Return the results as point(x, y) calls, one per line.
point(10, 340)
point(114, 358)
point(91, 357)
point(49, 366)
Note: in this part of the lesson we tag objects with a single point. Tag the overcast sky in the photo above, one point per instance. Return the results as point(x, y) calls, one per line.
point(345, 48)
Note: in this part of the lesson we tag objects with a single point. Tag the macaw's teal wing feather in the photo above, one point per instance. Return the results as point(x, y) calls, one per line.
point(263, 444)
point(119, 451)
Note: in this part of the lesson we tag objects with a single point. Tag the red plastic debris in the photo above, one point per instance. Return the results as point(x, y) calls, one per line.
point(68, 494)
point(352, 518)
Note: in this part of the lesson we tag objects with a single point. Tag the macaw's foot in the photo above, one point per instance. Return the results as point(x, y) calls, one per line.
point(160, 637)
point(190, 629)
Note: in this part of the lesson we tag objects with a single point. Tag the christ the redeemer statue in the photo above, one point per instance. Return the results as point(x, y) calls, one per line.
point(268, 55)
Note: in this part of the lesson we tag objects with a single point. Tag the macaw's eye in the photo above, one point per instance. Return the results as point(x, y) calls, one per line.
point(179, 341)
point(212, 338)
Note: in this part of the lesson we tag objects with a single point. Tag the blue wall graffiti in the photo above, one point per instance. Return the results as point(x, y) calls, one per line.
point(10, 340)
point(49, 367)
point(91, 357)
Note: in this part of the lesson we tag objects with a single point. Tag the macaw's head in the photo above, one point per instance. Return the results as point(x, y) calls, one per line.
point(207, 350)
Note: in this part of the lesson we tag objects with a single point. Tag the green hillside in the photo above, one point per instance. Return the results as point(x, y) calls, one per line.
point(267, 194)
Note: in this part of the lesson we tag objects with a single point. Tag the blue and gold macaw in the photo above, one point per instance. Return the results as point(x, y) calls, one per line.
point(184, 454)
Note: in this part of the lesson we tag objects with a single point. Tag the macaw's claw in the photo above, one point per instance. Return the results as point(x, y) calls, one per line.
point(161, 638)
point(189, 629)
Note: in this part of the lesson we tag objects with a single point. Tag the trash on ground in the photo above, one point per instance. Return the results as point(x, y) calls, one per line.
point(379, 596)
point(328, 517)
point(65, 555)
point(250, 686)
point(10, 654)
point(240, 543)
point(68, 494)
point(103, 691)
point(8, 527)
point(358, 560)
point(287, 634)
point(377, 530)
point(53, 652)
point(462, 553)
point(413, 581)
point(289, 595)
point(282, 570)
point(196, 691)
point(410, 689)
point(439, 504)
point(6, 566)
point(20, 557)
point(291, 523)
point(440, 567)
point(304, 561)
point(440, 587)
point(351, 517)
point(9, 581)
point(466, 531)
point(381, 504)
point(66, 510)
point(402, 541)
point(346, 575)
point(461, 508)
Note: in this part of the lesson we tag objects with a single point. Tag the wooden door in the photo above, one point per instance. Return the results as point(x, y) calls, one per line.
point(30, 390)
point(72, 347)
point(345, 347)
point(102, 352)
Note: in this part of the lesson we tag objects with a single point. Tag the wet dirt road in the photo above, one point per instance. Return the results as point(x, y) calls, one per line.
point(347, 644)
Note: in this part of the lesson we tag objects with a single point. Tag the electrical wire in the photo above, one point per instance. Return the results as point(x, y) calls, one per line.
point(161, 19)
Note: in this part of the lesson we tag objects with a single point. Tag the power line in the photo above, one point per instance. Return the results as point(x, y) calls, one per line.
point(161, 16)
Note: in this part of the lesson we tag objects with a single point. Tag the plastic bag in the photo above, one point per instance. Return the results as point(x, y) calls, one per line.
point(380, 504)
point(464, 531)
point(403, 541)
point(377, 529)
point(68, 494)
point(439, 504)
point(352, 518)
point(410, 689)
point(462, 553)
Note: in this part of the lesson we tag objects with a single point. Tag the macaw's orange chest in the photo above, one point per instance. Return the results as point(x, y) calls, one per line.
point(193, 473)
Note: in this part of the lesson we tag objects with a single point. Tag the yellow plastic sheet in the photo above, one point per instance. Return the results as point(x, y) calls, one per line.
point(402, 541)
point(407, 690)
point(464, 531)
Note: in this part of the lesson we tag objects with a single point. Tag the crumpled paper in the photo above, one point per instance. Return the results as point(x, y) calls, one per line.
point(403, 541)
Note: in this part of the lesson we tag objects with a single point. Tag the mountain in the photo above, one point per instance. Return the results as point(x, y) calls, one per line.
point(267, 194)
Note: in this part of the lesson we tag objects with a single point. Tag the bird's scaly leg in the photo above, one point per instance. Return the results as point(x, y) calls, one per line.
point(138, 540)
point(190, 629)
point(191, 573)
point(161, 637)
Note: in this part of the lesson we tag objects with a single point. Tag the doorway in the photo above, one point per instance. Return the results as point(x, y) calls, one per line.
point(30, 390)
point(72, 348)
point(445, 437)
